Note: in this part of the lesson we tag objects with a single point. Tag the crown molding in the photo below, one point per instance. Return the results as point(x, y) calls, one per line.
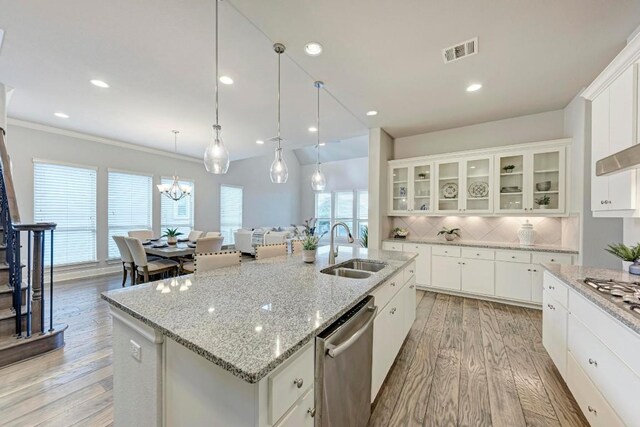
point(99, 139)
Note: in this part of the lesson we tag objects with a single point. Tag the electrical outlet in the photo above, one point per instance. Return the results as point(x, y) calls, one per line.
point(136, 350)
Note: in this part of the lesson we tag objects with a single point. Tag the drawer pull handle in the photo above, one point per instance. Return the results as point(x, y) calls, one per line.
point(298, 382)
point(393, 310)
point(553, 308)
point(477, 254)
point(528, 269)
point(393, 283)
point(411, 287)
point(411, 271)
point(551, 287)
point(513, 257)
point(553, 260)
point(311, 412)
point(535, 271)
point(593, 362)
point(592, 410)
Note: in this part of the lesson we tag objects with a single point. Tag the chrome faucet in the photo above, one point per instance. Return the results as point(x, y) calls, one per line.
point(333, 254)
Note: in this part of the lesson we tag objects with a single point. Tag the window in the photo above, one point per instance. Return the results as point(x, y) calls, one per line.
point(350, 207)
point(66, 195)
point(230, 212)
point(324, 213)
point(363, 212)
point(177, 214)
point(130, 205)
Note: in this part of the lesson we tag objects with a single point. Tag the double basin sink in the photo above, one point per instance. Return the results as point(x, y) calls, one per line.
point(354, 269)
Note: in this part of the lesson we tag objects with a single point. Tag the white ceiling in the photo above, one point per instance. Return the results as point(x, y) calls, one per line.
point(378, 54)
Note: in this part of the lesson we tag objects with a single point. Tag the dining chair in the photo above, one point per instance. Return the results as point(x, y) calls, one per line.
point(126, 257)
point(296, 246)
point(209, 244)
point(268, 251)
point(194, 235)
point(210, 261)
point(213, 234)
point(141, 234)
point(144, 267)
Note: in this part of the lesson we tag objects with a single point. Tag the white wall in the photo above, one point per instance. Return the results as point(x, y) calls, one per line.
point(264, 203)
point(352, 174)
point(380, 152)
point(531, 128)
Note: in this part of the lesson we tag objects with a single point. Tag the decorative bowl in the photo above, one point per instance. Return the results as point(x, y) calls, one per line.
point(543, 186)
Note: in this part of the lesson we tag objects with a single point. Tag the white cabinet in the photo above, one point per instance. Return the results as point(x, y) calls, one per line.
point(513, 280)
point(423, 262)
point(464, 186)
point(445, 272)
point(300, 414)
point(409, 308)
point(448, 187)
point(382, 352)
point(410, 187)
point(614, 122)
point(478, 276)
point(554, 331)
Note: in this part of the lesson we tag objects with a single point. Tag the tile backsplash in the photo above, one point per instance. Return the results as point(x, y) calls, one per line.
point(550, 231)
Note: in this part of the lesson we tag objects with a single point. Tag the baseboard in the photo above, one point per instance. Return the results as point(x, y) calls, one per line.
point(64, 276)
point(479, 296)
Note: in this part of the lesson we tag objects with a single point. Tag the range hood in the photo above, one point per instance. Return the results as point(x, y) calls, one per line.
point(628, 158)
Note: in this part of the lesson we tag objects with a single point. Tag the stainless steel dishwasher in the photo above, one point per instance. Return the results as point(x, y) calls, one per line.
point(343, 368)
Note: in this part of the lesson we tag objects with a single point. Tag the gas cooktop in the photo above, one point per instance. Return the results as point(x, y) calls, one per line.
point(626, 294)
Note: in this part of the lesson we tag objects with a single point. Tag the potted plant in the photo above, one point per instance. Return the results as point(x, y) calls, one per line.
point(422, 175)
point(449, 233)
point(543, 202)
point(310, 248)
point(628, 255)
point(172, 235)
point(508, 168)
point(364, 237)
point(400, 233)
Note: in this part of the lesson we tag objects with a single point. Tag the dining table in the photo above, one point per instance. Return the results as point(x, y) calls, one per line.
point(180, 249)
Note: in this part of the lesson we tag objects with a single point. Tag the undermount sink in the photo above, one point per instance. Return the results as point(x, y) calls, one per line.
point(363, 265)
point(347, 272)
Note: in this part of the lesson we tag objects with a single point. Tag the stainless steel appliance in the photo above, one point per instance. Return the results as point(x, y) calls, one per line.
point(626, 294)
point(343, 368)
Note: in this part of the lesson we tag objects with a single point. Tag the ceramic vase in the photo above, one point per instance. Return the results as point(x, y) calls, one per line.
point(527, 234)
point(172, 240)
point(449, 237)
point(309, 255)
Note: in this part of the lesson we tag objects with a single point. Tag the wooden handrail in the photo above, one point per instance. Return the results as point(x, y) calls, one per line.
point(5, 164)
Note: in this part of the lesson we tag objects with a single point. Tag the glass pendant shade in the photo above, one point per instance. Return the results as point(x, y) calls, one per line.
point(216, 156)
point(279, 171)
point(318, 180)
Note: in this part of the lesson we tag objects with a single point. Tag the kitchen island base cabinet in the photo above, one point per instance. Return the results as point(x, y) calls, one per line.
point(554, 331)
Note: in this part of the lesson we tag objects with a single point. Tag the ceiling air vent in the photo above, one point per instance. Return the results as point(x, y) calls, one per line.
point(459, 51)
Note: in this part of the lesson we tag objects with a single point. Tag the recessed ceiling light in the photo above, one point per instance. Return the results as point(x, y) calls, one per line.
point(260, 142)
point(372, 113)
point(322, 144)
point(474, 87)
point(61, 115)
point(313, 129)
point(226, 80)
point(313, 49)
point(99, 83)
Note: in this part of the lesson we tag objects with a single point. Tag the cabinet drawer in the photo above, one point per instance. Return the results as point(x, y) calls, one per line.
point(556, 289)
point(478, 253)
point(392, 246)
point(446, 251)
point(513, 256)
point(540, 258)
point(409, 271)
point(554, 332)
point(618, 338)
point(412, 247)
point(283, 386)
point(593, 405)
point(615, 381)
point(387, 290)
point(300, 413)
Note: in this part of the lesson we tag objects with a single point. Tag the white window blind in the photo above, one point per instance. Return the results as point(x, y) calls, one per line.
point(344, 211)
point(66, 195)
point(130, 205)
point(323, 213)
point(363, 212)
point(177, 214)
point(230, 212)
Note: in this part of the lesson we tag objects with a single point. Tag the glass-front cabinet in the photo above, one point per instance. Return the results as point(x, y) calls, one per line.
point(478, 187)
point(421, 189)
point(448, 187)
point(531, 182)
point(399, 189)
point(411, 189)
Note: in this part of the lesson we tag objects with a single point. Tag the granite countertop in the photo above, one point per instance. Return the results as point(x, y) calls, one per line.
point(489, 245)
point(250, 318)
point(573, 275)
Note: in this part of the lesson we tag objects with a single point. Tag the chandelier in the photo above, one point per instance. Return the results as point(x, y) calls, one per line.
point(175, 191)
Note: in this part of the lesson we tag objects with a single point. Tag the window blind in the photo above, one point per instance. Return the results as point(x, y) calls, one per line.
point(177, 214)
point(363, 212)
point(230, 212)
point(323, 213)
point(344, 211)
point(66, 195)
point(129, 205)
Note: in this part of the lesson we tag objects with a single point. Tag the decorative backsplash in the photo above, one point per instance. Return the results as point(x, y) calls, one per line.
point(550, 231)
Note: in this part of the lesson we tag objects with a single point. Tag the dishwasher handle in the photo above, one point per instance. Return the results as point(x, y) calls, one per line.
point(334, 351)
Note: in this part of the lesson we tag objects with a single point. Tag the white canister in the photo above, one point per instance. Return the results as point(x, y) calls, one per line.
point(527, 234)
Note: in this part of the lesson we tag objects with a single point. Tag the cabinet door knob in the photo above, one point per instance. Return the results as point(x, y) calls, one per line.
point(593, 362)
point(592, 410)
point(298, 382)
point(393, 310)
point(551, 306)
point(311, 412)
point(551, 287)
point(602, 202)
point(528, 269)
point(535, 271)
point(553, 260)
point(393, 283)
point(513, 257)
point(411, 286)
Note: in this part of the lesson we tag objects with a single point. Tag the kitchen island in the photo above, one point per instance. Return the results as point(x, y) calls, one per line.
point(210, 349)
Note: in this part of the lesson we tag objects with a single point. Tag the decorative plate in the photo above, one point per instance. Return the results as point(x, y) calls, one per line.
point(478, 189)
point(450, 190)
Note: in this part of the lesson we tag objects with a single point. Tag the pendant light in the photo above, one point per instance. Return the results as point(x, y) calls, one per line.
point(279, 171)
point(175, 191)
point(216, 156)
point(318, 180)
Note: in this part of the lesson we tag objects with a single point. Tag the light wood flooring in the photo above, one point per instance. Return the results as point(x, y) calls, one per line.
point(465, 362)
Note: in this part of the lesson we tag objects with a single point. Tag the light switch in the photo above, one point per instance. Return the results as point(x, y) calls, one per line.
point(136, 350)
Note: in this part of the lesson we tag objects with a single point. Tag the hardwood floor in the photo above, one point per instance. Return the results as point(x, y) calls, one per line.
point(465, 362)
point(474, 363)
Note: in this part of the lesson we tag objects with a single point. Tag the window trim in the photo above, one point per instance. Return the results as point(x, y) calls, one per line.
point(355, 218)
